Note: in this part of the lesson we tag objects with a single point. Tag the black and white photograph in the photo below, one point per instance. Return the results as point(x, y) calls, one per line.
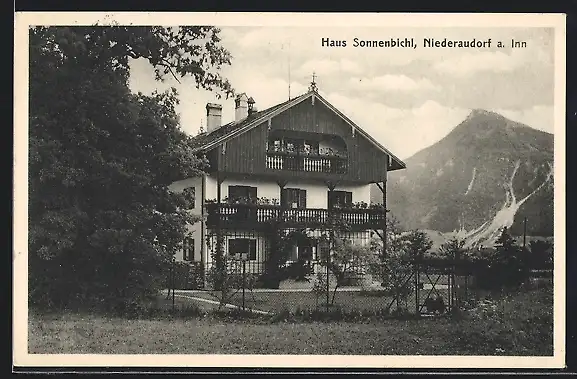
point(289, 190)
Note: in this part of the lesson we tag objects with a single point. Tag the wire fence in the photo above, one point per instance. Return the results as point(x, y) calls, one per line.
point(416, 288)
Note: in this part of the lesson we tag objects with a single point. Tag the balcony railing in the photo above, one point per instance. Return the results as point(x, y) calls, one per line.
point(308, 163)
point(248, 215)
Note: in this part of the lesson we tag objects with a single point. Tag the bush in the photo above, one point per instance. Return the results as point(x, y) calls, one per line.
point(298, 271)
point(187, 275)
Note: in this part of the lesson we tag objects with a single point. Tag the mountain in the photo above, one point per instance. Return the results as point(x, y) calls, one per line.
point(488, 172)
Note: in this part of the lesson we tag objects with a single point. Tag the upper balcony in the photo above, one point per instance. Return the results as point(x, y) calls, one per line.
point(259, 216)
point(307, 152)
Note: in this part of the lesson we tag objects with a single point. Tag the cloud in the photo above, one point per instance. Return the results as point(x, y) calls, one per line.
point(329, 67)
point(408, 98)
point(474, 62)
point(392, 83)
point(403, 131)
point(493, 61)
point(539, 117)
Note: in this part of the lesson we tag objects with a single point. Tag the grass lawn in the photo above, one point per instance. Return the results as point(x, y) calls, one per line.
point(522, 325)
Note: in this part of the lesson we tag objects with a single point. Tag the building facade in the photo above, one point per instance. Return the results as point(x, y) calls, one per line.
point(277, 179)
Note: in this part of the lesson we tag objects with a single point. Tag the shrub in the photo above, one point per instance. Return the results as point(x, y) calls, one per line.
point(298, 271)
point(187, 276)
point(154, 310)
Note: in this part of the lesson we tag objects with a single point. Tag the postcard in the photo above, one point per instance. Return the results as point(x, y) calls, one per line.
point(284, 190)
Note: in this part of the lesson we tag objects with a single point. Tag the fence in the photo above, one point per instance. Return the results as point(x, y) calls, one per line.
point(414, 288)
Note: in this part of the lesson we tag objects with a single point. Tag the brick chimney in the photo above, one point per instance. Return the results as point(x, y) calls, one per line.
point(251, 107)
point(213, 116)
point(241, 107)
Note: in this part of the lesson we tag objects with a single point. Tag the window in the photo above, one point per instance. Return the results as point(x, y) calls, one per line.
point(310, 147)
point(339, 199)
point(242, 245)
point(294, 198)
point(188, 249)
point(305, 251)
point(323, 251)
point(237, 193)
point(190, 195)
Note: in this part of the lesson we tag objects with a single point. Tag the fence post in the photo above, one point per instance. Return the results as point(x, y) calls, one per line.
point(173, 284)
point(328, 287)
point(416, 273)
point(243, 281)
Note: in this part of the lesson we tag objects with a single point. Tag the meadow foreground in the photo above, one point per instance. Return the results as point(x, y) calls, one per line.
point(519, 325)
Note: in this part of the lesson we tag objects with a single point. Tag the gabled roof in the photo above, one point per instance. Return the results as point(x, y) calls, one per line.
point(207, 141)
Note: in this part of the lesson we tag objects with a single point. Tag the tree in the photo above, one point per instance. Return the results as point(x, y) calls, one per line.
point(226, 281)
point(541, 254)
point(381, 267)
point(395, 267)
point(453, 249)
point(505, 242)
point(507, 266)
point(103, 223)
point(347, 258)
point(417, 243)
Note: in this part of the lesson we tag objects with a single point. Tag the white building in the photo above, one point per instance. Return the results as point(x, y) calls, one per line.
point(290, 168)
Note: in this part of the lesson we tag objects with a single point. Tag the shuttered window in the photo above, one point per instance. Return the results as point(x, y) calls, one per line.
point(294, 198)
point(236, 193)
point(340, 198)
point(242, 245)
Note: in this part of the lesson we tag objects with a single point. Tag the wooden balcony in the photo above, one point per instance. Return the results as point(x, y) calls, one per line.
point(306, 163)
point(248, 216)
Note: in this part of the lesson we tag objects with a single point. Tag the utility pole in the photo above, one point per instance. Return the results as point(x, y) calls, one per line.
point(524, 231)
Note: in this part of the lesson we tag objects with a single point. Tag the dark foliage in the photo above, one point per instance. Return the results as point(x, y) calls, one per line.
point(103, 224)
point(506, 268)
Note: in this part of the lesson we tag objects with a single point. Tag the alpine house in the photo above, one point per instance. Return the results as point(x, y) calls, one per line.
point(276, 181)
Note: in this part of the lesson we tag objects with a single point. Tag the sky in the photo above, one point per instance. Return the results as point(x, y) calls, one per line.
point(406, 98)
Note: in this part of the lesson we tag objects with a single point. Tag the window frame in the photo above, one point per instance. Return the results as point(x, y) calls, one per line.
point(331, 201)
point(251, 247)
point(250, 191)
point(288, 195)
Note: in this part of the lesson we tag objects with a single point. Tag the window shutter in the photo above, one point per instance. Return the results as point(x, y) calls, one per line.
point(302, 199)
point(331, 199)
point(252, 192)
point(242, 192)
point(231, 247)
point(348, 198)
point(191, 250)
point(293, 195)
point(252, 250)
point(233, 192)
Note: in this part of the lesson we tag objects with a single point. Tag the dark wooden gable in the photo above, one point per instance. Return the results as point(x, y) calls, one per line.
point(366, 161)
point(246, 153)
